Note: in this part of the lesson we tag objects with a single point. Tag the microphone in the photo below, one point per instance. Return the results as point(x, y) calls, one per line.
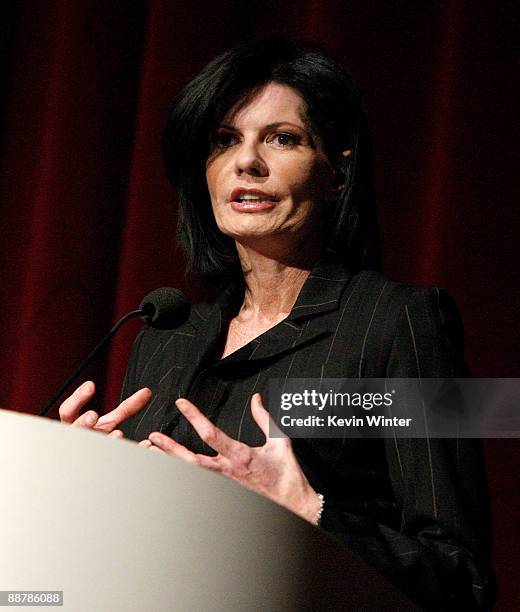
point(163, 308)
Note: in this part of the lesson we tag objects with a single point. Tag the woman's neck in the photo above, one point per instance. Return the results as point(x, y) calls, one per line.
point(272, 285)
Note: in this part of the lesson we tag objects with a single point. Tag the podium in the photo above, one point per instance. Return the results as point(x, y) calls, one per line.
point(118, 528)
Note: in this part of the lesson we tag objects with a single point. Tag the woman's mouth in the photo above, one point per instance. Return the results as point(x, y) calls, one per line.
point(252, 200)
point(252, 205)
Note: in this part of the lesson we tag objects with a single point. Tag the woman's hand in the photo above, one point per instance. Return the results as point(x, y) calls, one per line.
point(69, 410)
point(271, 470)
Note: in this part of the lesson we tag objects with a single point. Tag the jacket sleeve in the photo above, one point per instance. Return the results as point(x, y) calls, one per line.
point(440, 556)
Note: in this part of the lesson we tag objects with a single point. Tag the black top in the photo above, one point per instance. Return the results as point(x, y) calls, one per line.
point(416, 509)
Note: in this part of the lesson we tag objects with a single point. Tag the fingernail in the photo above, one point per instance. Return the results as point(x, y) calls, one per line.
point(155, 438)
point(146, 443)
point(87, 387)
point(89, 419)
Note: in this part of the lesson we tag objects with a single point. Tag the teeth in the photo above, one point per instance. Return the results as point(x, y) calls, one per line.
point(250, 198)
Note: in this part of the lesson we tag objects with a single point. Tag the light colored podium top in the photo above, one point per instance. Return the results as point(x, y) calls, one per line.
point(116, 527)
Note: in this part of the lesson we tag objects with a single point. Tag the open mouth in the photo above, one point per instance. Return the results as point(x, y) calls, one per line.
point(252, 200)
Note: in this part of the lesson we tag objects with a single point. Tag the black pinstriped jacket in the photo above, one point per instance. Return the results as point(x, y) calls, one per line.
point(416, 509)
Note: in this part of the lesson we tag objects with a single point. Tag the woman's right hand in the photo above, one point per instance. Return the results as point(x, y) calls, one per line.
point(70, 408)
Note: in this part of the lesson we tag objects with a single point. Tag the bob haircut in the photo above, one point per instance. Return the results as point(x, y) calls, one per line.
point(335, 111)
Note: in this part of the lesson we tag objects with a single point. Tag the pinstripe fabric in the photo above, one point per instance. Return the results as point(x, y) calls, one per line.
point(415, 509)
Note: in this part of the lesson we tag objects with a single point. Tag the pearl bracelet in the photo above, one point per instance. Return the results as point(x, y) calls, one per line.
point(317, 519)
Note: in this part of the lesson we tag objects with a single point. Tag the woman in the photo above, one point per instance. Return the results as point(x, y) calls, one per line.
point(269, 151)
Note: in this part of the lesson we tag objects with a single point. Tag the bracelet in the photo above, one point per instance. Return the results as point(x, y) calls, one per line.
point(317, 519)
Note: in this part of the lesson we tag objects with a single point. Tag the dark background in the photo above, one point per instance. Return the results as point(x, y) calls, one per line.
point(87, 219)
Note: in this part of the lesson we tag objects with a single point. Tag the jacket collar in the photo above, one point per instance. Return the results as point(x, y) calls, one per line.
point(322, 290)
point(320, 293)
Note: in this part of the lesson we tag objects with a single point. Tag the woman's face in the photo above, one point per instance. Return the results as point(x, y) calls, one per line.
point(268, 176)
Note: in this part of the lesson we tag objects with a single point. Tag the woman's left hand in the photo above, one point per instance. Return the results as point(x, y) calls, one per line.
point(271, 470)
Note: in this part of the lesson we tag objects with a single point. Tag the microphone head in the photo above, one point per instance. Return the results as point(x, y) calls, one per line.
point(165, 308)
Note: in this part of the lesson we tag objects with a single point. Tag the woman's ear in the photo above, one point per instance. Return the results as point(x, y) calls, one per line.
point(339, 178)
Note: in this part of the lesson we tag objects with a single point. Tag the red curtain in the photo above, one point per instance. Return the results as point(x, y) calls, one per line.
point(87, 219)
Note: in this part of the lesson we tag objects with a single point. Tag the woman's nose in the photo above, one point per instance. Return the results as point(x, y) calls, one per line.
point(249, 160)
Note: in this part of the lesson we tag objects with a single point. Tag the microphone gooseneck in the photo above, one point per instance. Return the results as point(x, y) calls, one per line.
point(163, 308)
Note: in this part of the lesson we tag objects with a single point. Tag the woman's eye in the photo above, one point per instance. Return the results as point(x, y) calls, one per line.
point(223, 140)
point(283, 139)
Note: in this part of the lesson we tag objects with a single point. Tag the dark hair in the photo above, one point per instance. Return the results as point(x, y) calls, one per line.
point(336, 112)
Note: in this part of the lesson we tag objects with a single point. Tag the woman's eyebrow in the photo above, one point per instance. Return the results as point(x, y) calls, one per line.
point(269, 126)
point(277, 124)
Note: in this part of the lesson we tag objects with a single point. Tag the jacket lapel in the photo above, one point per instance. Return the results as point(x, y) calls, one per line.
point(320, 294)
point(207, 321)
point(322, 290)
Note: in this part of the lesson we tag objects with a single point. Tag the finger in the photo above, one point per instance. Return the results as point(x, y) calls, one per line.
point(130, 406)
point(70, 408)
point(117, 433)
point(171, 447)
point(145, 443)
point(214, 437)
point(87, 420)
point(174, 449)
point(263, 419)
point(260, 414)
point(155, 449)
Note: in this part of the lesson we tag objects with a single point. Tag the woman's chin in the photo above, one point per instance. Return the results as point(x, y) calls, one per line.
point(251, 231)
